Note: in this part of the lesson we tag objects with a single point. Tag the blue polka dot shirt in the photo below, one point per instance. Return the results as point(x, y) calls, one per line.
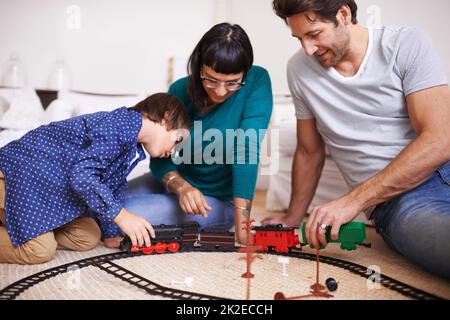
point(71, 168)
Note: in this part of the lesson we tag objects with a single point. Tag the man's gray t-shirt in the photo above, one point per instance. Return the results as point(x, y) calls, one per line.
point(364, 119)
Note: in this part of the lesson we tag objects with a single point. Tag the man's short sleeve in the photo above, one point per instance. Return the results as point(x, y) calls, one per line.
point(302, 111)
point(419, 64)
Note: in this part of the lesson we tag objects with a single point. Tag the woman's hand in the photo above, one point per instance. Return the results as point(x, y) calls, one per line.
point(242, 237)
point(240, 218)
point(136, 227)
point(192, 201)
point(113, 243)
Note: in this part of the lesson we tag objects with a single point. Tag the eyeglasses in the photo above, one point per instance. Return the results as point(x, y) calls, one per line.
point(214, 83)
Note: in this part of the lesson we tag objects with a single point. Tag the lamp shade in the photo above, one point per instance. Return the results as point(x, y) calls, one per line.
point(60, 76)
point(14, 73)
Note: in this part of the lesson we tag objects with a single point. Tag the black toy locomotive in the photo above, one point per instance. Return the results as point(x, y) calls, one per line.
point(185, 237)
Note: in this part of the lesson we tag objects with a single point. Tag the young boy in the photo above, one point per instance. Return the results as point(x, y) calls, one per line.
point(57, 178)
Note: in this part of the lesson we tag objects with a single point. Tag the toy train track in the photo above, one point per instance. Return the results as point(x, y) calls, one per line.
point(152, 287)
point(388, 282)
point(104, 262)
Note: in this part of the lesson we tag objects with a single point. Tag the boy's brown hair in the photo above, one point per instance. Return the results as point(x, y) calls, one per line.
point(163, 106)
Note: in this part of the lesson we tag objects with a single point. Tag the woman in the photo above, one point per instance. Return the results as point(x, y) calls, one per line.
point(225, 96)
point(58, 177)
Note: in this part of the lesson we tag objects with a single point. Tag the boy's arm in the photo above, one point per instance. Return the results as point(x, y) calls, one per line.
point(110, 230)
point(87, 172)
point(86, 179)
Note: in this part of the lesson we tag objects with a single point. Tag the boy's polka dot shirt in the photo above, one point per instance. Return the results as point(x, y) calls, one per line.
point(71, 168)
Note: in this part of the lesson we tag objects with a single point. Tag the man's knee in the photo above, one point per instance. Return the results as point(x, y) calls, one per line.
point(421, 234)
point(430, 220)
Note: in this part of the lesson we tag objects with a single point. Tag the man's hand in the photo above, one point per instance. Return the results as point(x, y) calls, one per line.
point(136, 227)
point(113, 243)
point(334, 215)
point(192, 201)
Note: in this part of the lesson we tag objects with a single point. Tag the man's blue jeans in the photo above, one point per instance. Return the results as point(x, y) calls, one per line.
point(417, 224)
point(148, 198)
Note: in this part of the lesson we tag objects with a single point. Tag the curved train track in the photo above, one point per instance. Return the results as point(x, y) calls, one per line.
point(105, 263)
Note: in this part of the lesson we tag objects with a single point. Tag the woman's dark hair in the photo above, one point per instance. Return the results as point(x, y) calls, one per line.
point(226, 49)
point(164, 106)
point(326, 9)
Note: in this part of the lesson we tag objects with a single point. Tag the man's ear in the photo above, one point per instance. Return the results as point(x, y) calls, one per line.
point(345, 15)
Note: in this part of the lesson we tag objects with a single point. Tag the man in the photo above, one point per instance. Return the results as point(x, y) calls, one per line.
point(379, 101)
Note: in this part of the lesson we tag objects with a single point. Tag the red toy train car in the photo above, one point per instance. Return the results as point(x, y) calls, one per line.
point(276, 237)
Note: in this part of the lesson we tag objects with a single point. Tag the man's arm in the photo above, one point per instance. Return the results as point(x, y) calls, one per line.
point(307, 168)
point(429, 111)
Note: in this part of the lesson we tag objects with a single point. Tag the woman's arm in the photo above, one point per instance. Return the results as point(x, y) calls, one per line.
point(191, 200)
point(254, 123)
point(242, 209)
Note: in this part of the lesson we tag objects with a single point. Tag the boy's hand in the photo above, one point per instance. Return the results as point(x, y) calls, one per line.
point(113, 243)
point(192, 201)
point(136, 227)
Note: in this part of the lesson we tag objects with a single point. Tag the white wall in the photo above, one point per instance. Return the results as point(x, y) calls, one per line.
point(123, 46)
point(120, 47)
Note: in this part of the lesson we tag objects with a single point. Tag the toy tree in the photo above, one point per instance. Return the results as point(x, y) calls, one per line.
point(249, 250)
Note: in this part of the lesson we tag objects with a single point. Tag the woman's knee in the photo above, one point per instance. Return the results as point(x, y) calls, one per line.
point(144, 185)
point(222, 214)
point(156, 208)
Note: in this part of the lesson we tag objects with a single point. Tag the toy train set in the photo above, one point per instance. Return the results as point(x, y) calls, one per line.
point(190, 237)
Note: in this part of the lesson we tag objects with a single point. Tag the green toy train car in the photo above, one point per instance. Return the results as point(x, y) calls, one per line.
point(350, 235)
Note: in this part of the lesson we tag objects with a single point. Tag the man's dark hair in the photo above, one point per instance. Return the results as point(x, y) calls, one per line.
point(226, 49)
point(163, 106)
point(325, 9)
